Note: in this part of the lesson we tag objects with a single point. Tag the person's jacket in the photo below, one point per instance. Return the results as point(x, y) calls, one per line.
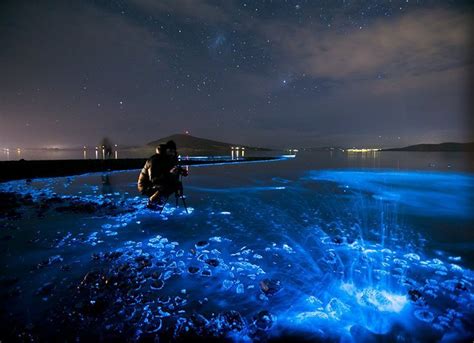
point(156, 171)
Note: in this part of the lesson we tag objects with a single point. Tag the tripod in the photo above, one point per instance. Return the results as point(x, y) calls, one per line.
point(179, 194)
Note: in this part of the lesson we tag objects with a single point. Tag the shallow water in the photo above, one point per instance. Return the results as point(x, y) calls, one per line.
point(312, 247)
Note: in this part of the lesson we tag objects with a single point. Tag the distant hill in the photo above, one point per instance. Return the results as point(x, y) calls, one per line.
point(437, 147)
point(188, 143)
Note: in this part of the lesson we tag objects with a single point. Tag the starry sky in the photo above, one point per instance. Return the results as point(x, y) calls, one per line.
point(267, 73)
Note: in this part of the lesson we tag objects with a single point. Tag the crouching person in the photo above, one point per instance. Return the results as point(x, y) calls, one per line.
point(159, 178)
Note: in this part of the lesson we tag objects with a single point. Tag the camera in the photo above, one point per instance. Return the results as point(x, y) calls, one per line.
point(179, 170)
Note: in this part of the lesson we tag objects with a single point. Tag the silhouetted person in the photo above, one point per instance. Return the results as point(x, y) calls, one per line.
point(106, 147)
point(159, 178)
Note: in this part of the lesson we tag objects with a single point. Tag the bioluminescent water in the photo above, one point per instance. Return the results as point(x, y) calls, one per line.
point(265, 251)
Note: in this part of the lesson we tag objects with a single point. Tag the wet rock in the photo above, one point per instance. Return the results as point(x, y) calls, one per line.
point(414, 295)
point(51, 260)
point(336, 308)
point(192, 328)
point(206, 273)
point(155, 275)
point(312, 315)
point(212, 262)
point(79, 207)
point(201, 244)
point(270, 287)
point(46, 289)
point(230, 321)
point(65, 268)
point(460, 286)
point(95, 307)
point(338, 240)
point(55, 259)
point(330, 257)
point(9, 204)
point(350, 240)
point(424, 315)
point(164, 299)
point(239, 289)
point(157, 285)
point(193, 270)
point(263, 320)
point(153, 327)
point(111, 256)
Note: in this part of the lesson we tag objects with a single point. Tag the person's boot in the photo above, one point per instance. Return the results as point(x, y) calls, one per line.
point(155, 197)
point(155, 202)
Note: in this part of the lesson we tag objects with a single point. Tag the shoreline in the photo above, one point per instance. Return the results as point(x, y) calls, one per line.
point(23, 169)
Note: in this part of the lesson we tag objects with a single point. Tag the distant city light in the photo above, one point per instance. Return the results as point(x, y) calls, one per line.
point(363, 150)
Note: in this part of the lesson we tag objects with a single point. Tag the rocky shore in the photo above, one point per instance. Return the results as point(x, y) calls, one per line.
point(17, 170)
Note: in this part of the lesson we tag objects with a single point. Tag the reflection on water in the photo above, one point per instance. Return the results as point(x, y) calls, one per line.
point(71, 154)
point(443, 161)
point(303, 246)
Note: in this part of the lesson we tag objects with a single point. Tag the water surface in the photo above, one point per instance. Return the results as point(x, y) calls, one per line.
point(326, 246)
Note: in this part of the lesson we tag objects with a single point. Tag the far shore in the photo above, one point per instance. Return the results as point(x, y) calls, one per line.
point(18, 170)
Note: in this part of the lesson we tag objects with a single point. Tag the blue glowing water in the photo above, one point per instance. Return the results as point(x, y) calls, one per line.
point(358, 254)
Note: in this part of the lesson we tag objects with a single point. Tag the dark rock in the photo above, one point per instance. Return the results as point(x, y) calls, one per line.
point(9, 204)
point(230, 321)
point(65, 268)
point(96, 306)
point(124, 267)
point(330, 257)
point(79, 207)
point(111, 256)
point(414, 295)
point(164, 299)
point(46, 289)
point(461, 286)
point(201, 244)
point(193, 270)
point(140, 258)
point(263, 320)
point(212, 262)
point(42, 264)
point(157, 285)
point(155, 275)
point(270, 287)
point(206, 273)
point(337, 240)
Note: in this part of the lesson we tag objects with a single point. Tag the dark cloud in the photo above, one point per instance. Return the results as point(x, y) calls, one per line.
point(413, 44)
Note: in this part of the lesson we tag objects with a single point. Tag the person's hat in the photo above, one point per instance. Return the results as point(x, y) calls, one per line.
point(160, 149)
point(171, 145)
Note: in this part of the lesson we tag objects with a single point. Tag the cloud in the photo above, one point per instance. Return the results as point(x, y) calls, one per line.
point(416, 43)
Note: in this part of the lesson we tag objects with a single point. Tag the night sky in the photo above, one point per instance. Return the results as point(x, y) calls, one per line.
point(268, 73)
